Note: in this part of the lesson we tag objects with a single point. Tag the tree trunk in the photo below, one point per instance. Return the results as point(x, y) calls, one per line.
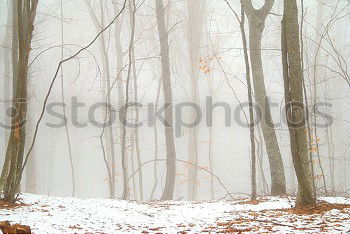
point(156, 147)
point(211, 144)
point(251, 109)
point(13, 23)
point(168, 192)
point(293, 84)
point(316, 79)
point(137, 114)
point(125, 109)
point(120, 84)
point(256, 27)
point(26, 12)
point(195, 9)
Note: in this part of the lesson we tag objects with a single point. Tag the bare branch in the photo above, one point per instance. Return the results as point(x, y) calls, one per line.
point(189, 163)
point(54, 79)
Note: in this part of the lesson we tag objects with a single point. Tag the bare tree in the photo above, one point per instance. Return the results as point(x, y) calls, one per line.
point(251, 109)
point(106, 93)
point(156, 146)
point(26, 12)
point(293, 85)
point(195, 11)
point(7, 65)
point(137, 114)
point(256, 28)
point(211, 143)
point(124, 109)
point(12, 19)
point(168, 192)
point(241, 21)
point(120, 83)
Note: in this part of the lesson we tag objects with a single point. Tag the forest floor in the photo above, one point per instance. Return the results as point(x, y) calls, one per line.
point(269, 214)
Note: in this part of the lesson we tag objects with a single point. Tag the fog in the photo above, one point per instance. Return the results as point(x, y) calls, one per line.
point(206, 63)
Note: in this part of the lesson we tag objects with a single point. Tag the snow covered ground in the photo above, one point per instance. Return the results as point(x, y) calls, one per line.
point(68, 215)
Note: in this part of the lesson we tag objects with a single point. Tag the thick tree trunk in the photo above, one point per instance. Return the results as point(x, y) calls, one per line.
point(26, 12)
point(256, 27)
point(293, 83)
point(168, 192)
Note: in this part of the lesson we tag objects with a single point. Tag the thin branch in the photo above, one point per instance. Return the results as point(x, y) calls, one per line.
point(54, 79)
point(190, 163)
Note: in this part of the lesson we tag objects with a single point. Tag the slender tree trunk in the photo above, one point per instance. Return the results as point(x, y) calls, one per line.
point(256, 27)
point(7, 66)
point(307, 112)
point(251, 109)
point(120, 84)
point(156, 147)
point(125, 107)
point(195, 9)
point(293, 84)
point(137, 114)
point(132, 164)
point(211, 145)
point(168, 192)
point(331, 155)
point(13, 23)
point(106, 93)
point(319, 40)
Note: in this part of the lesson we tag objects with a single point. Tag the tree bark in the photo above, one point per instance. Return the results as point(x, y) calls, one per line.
point(293, 84)
point(26, 12)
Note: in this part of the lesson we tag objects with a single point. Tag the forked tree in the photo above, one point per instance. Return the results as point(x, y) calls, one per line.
point(257, 20)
